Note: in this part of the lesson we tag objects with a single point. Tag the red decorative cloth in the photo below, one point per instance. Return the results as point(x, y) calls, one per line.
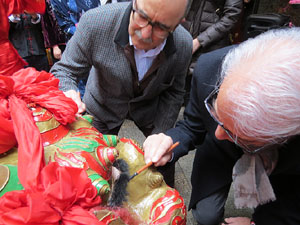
point(16, 91)
point(53, 194)
point(10, 61)
point(63, 196)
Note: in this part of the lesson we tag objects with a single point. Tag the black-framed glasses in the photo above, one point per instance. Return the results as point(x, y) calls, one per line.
point(142, 20)
point(247, 146)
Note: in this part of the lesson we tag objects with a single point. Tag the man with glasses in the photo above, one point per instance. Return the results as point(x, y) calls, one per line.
point(244, 121)
point(136, 55)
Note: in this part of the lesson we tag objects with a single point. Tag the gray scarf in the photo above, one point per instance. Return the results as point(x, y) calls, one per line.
point(251, 183)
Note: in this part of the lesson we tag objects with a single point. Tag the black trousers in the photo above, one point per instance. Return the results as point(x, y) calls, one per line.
point(39, 62)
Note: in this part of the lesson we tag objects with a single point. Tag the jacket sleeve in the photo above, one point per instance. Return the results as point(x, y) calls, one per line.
point(231, 13)
point(191, 130)
point(66, 19)
point(197, 122)
point(170, 101)
point(53, 35)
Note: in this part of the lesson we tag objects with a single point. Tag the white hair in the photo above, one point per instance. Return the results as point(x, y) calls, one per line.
point(266, 106)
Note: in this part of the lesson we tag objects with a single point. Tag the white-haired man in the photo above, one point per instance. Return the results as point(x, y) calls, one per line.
point(244, 120)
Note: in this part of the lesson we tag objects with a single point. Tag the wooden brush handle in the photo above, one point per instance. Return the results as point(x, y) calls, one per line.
point(150, 163)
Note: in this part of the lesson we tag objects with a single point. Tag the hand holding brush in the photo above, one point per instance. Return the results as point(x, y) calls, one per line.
point(150, 163)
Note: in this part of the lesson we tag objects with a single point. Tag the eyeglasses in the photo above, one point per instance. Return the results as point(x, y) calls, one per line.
point(247, 146)
point(142, 20)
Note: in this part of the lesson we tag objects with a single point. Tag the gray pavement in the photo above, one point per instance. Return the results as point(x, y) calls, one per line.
point(182, 173)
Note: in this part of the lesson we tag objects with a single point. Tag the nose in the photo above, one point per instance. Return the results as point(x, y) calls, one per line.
point(146, 31)
point(221, 134)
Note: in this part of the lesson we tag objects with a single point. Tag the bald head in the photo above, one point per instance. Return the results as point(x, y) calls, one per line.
point(169, 12)
point(171, 8)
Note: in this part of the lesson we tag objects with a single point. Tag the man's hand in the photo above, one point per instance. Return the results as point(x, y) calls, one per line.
point(156, 147)
point(196, 45)
point(56, 52)
point(76, 98)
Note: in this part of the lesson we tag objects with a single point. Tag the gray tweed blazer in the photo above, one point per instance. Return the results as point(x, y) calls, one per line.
point(97, 50)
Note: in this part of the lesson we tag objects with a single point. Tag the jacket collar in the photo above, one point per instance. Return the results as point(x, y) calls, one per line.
point(122, 37)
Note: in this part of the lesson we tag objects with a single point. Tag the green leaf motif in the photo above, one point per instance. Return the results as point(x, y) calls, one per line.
point(84, 144)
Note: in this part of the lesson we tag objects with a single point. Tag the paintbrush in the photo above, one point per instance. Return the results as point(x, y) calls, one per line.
point(150, 163)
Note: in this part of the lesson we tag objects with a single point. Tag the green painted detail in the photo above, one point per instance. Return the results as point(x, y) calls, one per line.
point(99, 182)
point(88, 118)
point(13, 182)
point(103, 182)
point(114, 140)
point(94, 176)
point(111, 140)
point(87, 145)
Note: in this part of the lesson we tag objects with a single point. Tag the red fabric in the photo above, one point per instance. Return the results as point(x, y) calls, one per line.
point(63, 197)
point(53, 194)
point(10, 61)
point(29, 86)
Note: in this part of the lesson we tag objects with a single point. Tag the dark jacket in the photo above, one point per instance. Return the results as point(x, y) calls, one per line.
point(27, 37)
point(211, 21)
point(53, 35)
point(99, 44)
point(214, 159)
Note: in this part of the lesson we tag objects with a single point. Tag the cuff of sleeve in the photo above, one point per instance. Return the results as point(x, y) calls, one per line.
point(171, 160)
point(14, 19)
point(37, 20)
point(201, 40)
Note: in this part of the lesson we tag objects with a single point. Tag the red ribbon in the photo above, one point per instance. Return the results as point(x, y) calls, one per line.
point(24, 87)
point(53, 194)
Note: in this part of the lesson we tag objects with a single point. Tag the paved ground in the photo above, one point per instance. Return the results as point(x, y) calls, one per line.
point(182, 173)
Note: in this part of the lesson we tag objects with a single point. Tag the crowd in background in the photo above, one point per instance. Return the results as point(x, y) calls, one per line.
point(41, 39)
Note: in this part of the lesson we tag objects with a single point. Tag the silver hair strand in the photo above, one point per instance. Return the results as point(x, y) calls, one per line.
point(267, 107)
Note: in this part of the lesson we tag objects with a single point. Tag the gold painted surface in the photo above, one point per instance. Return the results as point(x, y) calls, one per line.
point(4, 176)
point(47, 125)
point(51, 149)
point(10, 157)
point(145, 188)
point(80, 122)
point(103, 213)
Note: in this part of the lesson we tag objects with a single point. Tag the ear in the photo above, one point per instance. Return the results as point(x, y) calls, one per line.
point(183, 20)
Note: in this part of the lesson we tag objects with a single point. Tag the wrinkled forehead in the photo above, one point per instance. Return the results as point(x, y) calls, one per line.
point(168, 12)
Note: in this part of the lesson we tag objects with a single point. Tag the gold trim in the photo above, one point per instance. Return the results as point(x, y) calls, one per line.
point(4, 176)
point(47, 125)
